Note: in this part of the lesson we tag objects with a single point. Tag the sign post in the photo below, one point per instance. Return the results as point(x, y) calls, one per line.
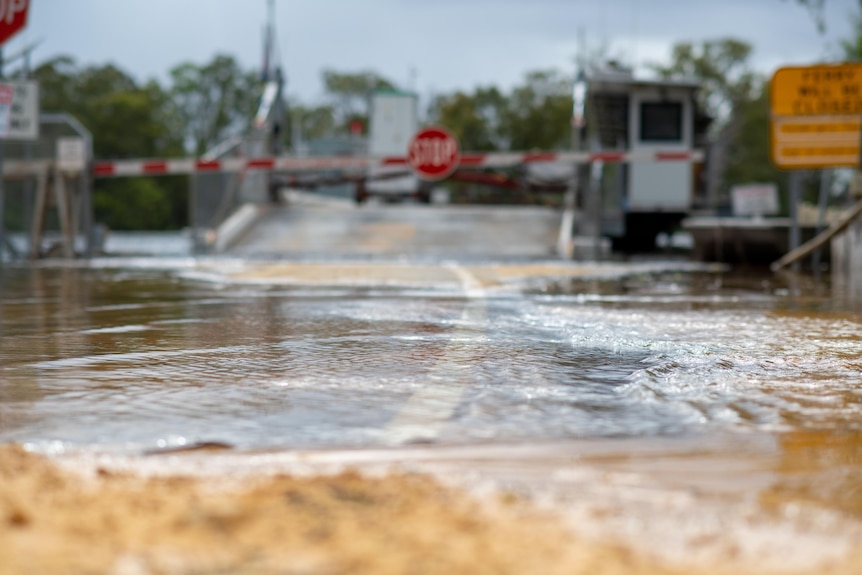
point(433, 153)
point(13, 18)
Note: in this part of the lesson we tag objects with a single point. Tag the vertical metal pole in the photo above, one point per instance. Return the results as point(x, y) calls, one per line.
point(565, 244)
point(823, 197)
point(596, 199)
point(2, 194)
point(2, 208)
point(29, 183)
point(851, 242)
point(29, 186)
point(795, 194)
point(198, 240)
point(87, 199)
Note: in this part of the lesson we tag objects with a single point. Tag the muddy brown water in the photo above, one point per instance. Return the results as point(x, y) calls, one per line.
point(127, 358)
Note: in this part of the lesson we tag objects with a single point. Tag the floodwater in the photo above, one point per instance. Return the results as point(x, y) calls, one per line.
point(126, 358)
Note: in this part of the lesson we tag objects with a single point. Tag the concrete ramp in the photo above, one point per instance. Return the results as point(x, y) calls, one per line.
point(335, 228)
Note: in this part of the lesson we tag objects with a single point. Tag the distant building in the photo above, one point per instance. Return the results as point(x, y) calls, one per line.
point(624, 113)
point(394, 120)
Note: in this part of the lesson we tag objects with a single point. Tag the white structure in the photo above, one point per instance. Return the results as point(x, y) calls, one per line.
point(641, 199)
point(393, 122)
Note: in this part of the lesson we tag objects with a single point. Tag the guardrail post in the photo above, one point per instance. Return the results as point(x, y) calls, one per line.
point(38, 225)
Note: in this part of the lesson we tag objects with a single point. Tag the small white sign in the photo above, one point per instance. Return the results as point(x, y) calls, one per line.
point(22, 111)
point(71, 154)
point(6, 95)
point(754, 200)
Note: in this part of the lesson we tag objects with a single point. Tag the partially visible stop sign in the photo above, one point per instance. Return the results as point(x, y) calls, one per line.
point(13, 17)
point(433, 153)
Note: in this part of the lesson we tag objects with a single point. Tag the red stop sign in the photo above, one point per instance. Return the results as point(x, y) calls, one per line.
point(433, 153)
point(13, 17)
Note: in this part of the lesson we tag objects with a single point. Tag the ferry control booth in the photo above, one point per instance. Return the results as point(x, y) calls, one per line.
point(641, 199)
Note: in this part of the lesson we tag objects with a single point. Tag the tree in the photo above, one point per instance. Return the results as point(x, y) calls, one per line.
point(58, 85)
point(349, 94)
point(136, 204)
point(723, 68)
point(728, 85)
point(475, 119)
point(815, 7)
point(310, 122)
point(535, 115)
point(852, 46)
point(126, 121)
point(539, 111)
point(213, 101)
point(748, 154)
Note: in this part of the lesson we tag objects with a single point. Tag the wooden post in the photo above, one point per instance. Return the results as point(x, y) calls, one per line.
point(822, 200)
point(795, 195)
point(41, 206)
point(64, 211)
point(847, 218)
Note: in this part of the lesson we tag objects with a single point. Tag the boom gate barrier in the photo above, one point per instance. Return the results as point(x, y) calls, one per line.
point(157, 167)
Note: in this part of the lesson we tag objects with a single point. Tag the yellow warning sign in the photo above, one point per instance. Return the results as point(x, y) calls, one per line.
point(815, 141)
point(816, 113)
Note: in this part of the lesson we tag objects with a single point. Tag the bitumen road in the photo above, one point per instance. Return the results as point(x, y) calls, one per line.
point(310, 226)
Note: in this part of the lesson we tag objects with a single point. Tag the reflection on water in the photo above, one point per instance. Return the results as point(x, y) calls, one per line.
point(821, 466)
point(136, 358)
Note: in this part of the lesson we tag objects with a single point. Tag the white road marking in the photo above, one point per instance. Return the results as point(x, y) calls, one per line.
point(428, 410)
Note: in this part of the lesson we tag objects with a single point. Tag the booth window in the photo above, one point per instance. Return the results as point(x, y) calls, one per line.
point(661, 122)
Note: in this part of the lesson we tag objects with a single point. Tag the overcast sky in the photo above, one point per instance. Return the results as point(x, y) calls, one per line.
point(431, 46)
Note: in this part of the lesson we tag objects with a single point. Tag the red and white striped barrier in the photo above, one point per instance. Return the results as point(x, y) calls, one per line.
point(187, 166)
point(120, 168)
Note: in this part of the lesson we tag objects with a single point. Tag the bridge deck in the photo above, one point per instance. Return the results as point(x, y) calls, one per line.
point(341, 228)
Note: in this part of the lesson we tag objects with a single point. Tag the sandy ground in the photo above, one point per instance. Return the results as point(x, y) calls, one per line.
point(109, 520)
point(53, 522)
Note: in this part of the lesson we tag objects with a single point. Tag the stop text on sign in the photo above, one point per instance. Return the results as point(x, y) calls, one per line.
point(433, 153)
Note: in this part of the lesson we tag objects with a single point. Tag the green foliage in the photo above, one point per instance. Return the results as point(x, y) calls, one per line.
point(535, 115)
point(724, 70)
point(475, 119)
point(349, 94)
point(312, 122)
point(539, 112)
point(213, 101)
point(748, 155)
point(58, 86)
point(852, 46)
point(126, 120)
point(815, 7)
point(132, 204)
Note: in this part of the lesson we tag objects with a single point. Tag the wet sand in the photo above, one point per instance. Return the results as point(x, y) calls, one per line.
point(53, 522)
point(107, 519)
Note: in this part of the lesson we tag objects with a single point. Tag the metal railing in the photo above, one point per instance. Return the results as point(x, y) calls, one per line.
point(29, 216)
